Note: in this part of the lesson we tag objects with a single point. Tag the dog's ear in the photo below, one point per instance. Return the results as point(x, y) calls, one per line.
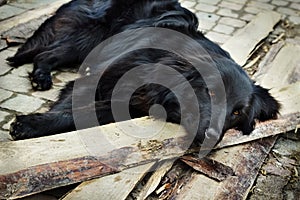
point(264, 105)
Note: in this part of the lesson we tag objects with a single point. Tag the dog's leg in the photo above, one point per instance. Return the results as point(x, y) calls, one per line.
point(61, 55)
point(34, 45)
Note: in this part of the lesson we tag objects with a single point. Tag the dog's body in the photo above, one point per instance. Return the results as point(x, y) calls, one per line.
point(66, 39)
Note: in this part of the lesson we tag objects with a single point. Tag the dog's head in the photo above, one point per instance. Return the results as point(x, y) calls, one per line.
point(246, 102)
point(259, 106)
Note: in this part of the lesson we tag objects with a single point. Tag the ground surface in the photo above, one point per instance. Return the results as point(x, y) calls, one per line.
point(219, 20)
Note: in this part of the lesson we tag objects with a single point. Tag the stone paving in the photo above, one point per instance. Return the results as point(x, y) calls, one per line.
point(219, 20)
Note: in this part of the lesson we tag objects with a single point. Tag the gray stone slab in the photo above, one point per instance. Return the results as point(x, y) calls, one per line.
point(8, 11)
point(22, 71)
point(4, 67)
point(22, 103)
point(3, 114)
point(14, 83)
point(7, 125)
point(4, 136)
point(67, 76)
point(51, 94)
point(3, 44)
point(4, 94)
point(30, 4)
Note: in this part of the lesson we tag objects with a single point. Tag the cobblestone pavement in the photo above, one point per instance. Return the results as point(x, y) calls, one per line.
point(219, 20)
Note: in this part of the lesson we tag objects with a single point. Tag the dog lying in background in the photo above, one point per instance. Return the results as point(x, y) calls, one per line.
point(65, 39)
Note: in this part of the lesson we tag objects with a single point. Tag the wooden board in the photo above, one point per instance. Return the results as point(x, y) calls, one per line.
point(245, 160)
point(155, 179)
point(116, 186)
point(283, 69)
point(244, 42)
point(289, 97)
point(68, 158)
point(270, 128)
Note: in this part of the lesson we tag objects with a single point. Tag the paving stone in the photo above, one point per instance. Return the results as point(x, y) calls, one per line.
point(206, 25)
point(14, 83)
point(279, 2)
point(295, 6)
point(288, 11)
point(22, 71)
point(231, 5)
point(22, 103)
point(7, 125)
point(212, 2)
point(66, 76)
point(247, 17)
point(3, 114)
point(232, 22)
point(294, 19)
point(4, 136)
point(3, 44)
point(30, 4)
point(261, 5)
point(51, 94)
point(227, 13)
point(217, 37)
point(188, 4)
point(207, 16)
point(4, 94)
point(8, 11)
point(252, 10)
point(4, 67)
point(264, 1)
point(206, 7)
point(221, 28)
point(237, 1)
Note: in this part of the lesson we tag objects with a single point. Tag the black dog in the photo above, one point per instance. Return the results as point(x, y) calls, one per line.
point(67, 38)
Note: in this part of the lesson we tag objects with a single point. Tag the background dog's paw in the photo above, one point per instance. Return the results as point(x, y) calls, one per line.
point(13, 62)
point(21, 129)
point(41, 81)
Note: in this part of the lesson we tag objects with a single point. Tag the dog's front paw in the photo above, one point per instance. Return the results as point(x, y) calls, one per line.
point(41, 80)
point(21, 128)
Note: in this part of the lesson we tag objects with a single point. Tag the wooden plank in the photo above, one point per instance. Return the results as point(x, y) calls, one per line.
point(288, 96)
point(242, 43)
point(69, 158)
point(210, 168)
point(283, 69)
point(116, 186)
point(285, 124)
point(199, 188)
point(155, 179)
point(30, 15)
point(245, 160)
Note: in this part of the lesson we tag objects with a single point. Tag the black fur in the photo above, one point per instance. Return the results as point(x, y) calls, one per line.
point(66, 39)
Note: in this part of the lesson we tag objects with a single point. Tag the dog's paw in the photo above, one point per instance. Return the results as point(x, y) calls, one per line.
point(21, 128)
point(41, 80)
point(12, 61)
